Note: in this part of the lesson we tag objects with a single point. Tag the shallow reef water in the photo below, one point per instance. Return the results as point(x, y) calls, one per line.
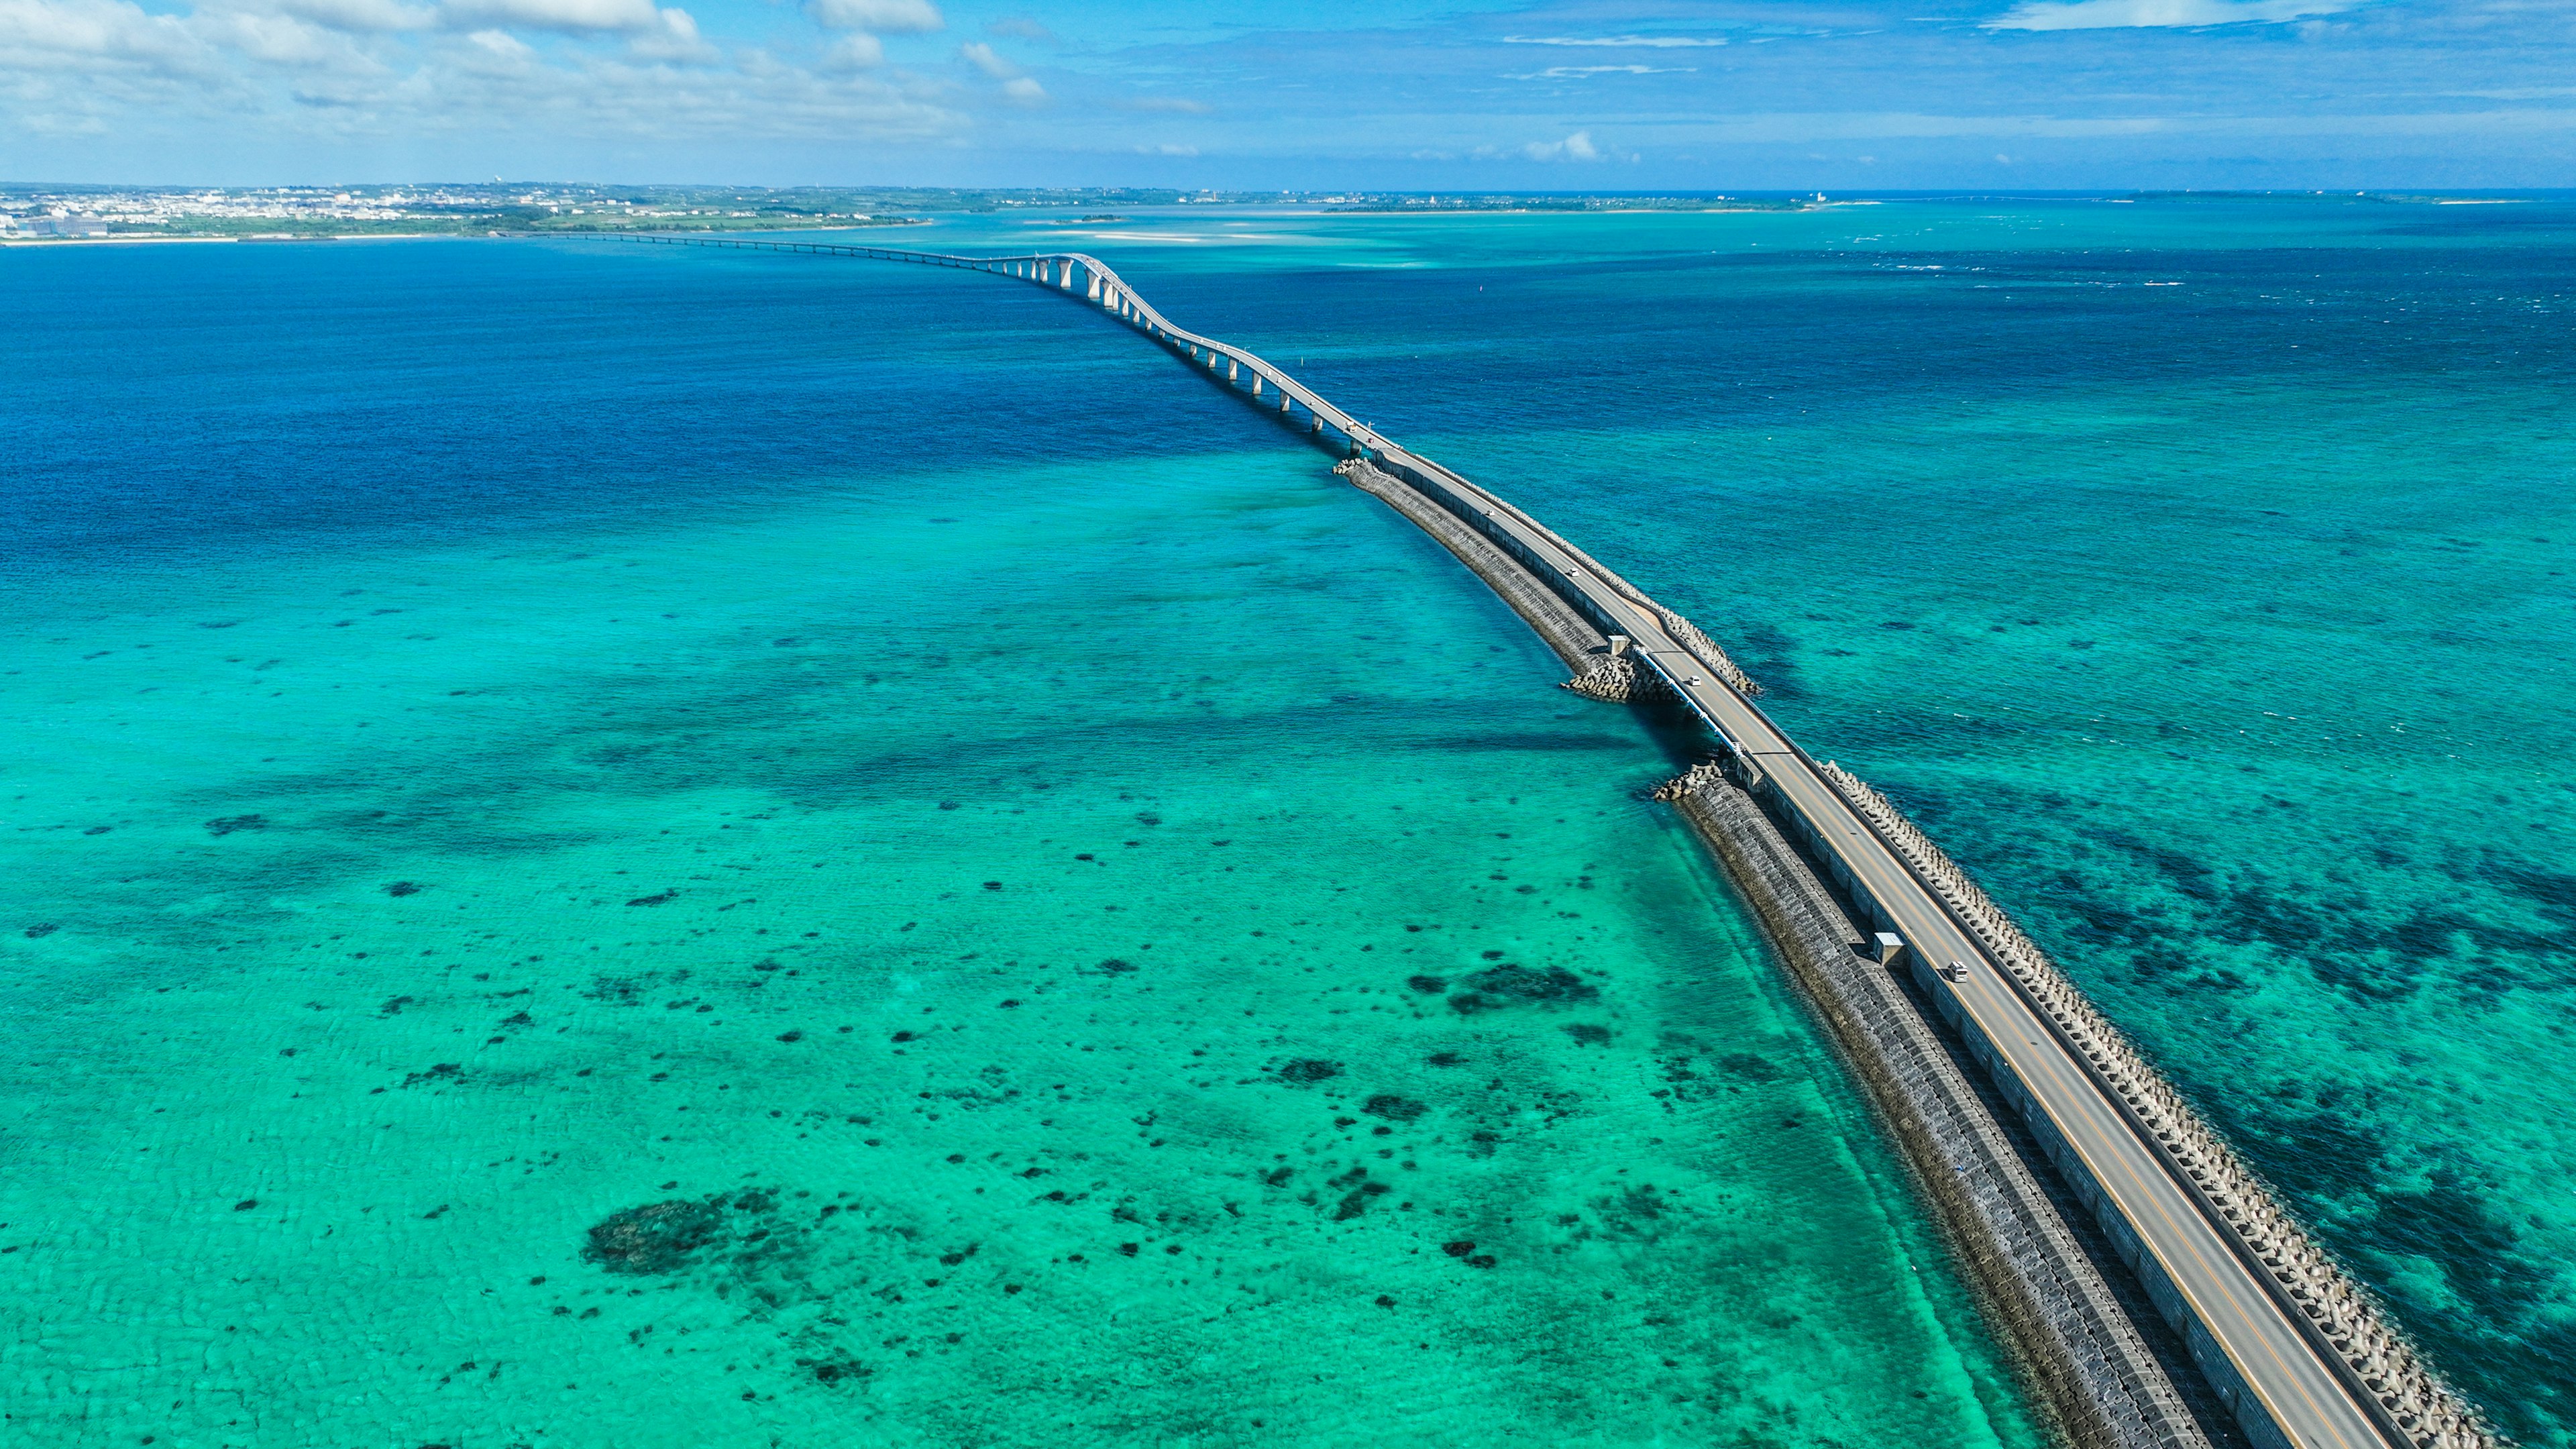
point(634, 847)
point(692, 905)
point(2201, 571)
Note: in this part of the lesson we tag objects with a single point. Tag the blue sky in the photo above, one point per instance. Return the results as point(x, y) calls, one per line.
point(1587, 95)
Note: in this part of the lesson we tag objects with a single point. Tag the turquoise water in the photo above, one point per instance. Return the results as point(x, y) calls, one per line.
point(2200, 572)
point(671, 849)
point(2197, 571)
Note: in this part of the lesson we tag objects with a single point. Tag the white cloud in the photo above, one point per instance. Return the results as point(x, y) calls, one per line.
point(1180, 104)
point(879, 17)
point(485, 57)
point(1577, 147)
point(1017, 88)
point(1659, 42)
point(2131, 14)
point(34, 33)
point(280, 40)
point(676, 40)
point(855, 51)
point(86, 72)
point(575, 16)
point(358, 15)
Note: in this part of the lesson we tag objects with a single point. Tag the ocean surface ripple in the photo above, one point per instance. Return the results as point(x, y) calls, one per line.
point(634, 847)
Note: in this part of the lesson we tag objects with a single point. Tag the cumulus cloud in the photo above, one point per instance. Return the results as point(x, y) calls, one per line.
point(495, 52)
point(878, 17)
point(280, 40)
point(359, 15)
point(855, 51)
point(43, 31)
point(94, 70)
point(676, 40)
point(1017, 87)
point(2134, 14)
point(984, 58)
point(570, 16)
point(1577, 147)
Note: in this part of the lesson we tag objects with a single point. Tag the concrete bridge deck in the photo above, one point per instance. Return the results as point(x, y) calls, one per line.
point(2289, 1390)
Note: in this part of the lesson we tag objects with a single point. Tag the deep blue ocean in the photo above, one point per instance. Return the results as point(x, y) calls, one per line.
point(636, 846)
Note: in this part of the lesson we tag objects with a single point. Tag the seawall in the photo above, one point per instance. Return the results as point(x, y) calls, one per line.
point(2076, 1339)
point(2066, 1325)
point(1574, 638)
point(2345, 1325)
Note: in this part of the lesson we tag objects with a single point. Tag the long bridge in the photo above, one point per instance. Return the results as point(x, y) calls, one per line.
point(2300, 1357)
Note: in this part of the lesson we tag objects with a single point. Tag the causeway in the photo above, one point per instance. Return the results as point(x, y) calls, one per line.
point(2253, 1330)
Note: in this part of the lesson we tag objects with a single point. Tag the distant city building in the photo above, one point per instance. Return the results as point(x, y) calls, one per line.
point(59, 226)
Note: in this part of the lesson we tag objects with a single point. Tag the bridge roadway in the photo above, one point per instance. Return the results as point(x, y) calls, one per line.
point(2305, 1399)
point(2309, 1405)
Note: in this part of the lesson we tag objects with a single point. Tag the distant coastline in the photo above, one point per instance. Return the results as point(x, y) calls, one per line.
point(67, 212)
point(71, 212)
